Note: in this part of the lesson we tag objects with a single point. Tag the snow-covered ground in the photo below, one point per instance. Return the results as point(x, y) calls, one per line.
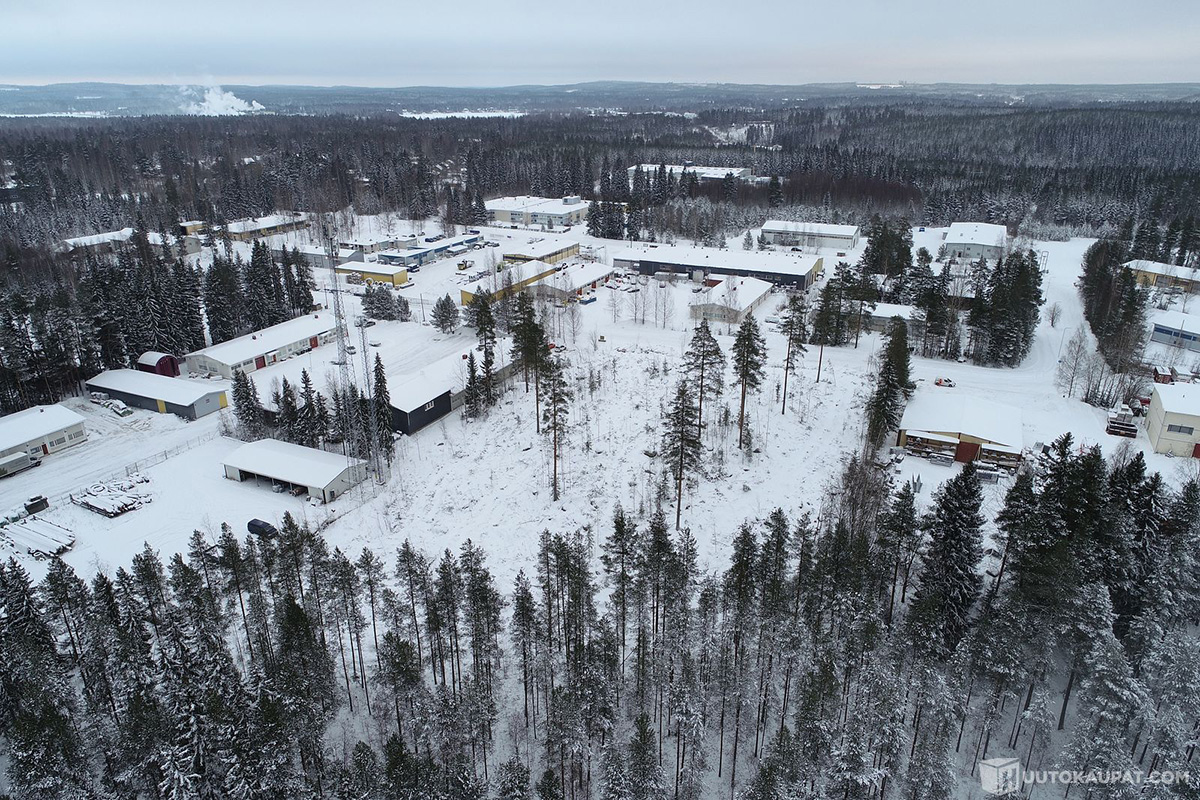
point(488, 480)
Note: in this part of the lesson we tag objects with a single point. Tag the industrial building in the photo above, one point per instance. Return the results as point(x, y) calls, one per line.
point(421, 398)
point(375, 272)
point(375, 245)
point(786, 269)
point(429, 251)
point(942, 421)
point(810, 234)
point(1164, 276)
point(730, 300)
point(268, 346)
point(528, 210)
point(547, 250)
point(703, 174)
point(525, 273)
point(315, 256)
point(111, 241)
point(158, 363)
point(153, 392)
point(40, 430)
point(1176, 329)
point(879, 318)
point(572, 281)
point(971, 241)
point(1173, 421)
point(323, 475)
point(246, 230)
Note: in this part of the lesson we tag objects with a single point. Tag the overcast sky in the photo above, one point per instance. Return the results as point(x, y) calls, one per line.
point(495, 43)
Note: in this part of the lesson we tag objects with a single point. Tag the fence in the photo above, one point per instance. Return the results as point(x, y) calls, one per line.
point(138, 466)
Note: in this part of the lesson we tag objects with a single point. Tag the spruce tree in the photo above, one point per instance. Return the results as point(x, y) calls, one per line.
point(949, 583)
point(749, 357)
point(381, 402)
point(705, 366)
point(445, 315)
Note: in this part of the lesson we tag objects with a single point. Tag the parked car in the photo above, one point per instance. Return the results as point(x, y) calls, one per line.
point(351, 349)
point(944, 382)
point(264, 530)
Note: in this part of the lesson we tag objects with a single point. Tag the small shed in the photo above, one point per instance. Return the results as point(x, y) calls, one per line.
point(323, 475)
point(189, 399)
point(966, 427)
point(159, 363)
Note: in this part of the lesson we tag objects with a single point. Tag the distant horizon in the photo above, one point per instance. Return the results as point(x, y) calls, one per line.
point(882, 84)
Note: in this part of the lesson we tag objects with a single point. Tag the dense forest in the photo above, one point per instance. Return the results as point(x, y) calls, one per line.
point(878, 648)
point(1050, 169)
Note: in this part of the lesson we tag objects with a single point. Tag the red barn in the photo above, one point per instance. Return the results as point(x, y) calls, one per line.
point(159, 363)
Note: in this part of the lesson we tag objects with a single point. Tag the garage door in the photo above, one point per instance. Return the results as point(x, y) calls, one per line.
point(966, 451)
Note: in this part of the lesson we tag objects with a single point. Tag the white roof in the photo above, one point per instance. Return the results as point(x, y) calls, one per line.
point(123, 235)
point(537, 248)
point(1179, 398)
point(244, 348)
point(977, 233)
point(291, 463)
point(1159, 268)
point(816, 228)
point(948, 410)
point(735, 293)
point(712, 258)
point(576, 276)
point(34, 423)
point(176, 391)
point(889, 310)
point(150, 358)
point(697, 170)
point(409, 391)
point(376, 267)
point(1176, 321)
point(260, 223)
point(535, 205)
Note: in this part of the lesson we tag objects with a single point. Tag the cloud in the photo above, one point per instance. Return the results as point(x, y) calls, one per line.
point(218, 103)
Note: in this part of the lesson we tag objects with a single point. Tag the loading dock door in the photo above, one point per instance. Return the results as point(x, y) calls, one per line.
point(312, 341)
point(966, 451)
point(260, 362)
point(1196, 450)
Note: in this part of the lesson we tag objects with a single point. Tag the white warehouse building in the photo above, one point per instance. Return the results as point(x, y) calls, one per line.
point(1173, 422)
point(323, 475)
point(528, 210)
point(971, 241)
point(268, 346)
point(810, 234)
point(40, 430)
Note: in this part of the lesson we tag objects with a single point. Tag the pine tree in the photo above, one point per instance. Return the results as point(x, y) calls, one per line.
point(795, 331)
point(681, 440)
point(555, 413)
point(749, 356)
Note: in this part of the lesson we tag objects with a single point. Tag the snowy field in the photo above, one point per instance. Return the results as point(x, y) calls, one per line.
point(488, 480)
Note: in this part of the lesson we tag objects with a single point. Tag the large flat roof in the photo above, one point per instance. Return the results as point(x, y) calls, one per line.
point(766, 261)
point(977, 233)
point(818, 228)
point(261, 223)
point(34, 423)
point(1176, 321)
point(1160, 268)
point(529, 203)
point(177, 391)
point(244, 348)
point(939, 409)
point(576, 276)
point(123, 235)
point(409, 391)
point(735, 293)
point(291, 463)
point(1179, 398)
point(537, 247)
point(698, 170)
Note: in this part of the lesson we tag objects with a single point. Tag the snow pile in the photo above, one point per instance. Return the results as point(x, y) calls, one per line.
point(219, 103)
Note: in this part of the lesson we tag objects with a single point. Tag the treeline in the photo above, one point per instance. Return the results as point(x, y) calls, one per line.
point(55, 335)
point(1062, 169)
point(861, 653)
